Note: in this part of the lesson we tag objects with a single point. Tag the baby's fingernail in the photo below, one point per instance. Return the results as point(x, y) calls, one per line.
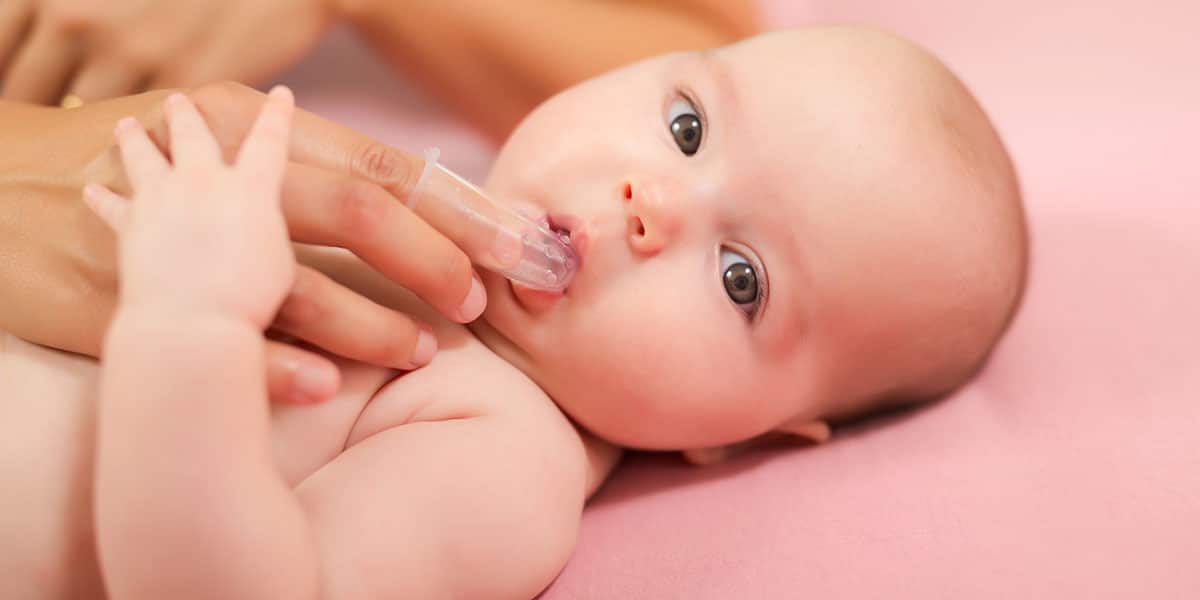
point(473, 305)
point(175, 99)
point(280, 92)
point(314, 383)
point(126, 124)
point(426, 347)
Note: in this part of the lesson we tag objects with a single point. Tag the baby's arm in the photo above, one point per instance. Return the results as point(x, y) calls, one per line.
point(477, 507)
point(188, 501)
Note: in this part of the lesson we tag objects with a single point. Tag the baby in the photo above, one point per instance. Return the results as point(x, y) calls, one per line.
point(793, 231)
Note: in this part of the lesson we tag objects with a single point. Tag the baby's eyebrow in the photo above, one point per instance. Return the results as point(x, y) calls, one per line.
point(723, 75)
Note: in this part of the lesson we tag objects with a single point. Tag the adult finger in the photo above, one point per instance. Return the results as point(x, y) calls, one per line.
point(103, 78)
point(232, 108)
point(297, 376)
point(41, 68)
point(486, 233)
point(191, 141)
point(265, 152)
point(323, 207)
point(321, 143)
point(143, 161)
point(15, 16)
point(325, 314)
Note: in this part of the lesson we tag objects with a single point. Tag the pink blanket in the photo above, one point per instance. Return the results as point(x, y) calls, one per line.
point(1071, 467)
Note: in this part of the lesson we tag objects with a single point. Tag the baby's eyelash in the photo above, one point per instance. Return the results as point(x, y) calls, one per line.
point(691, 98)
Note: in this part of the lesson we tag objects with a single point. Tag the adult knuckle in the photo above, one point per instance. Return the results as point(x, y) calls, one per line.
point(220, 94)
point(378, 162)
point(228, 108)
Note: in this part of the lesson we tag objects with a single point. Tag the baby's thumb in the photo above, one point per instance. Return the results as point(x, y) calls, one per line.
point(110, 207)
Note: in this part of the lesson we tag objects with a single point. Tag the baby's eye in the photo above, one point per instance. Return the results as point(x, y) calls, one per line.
point(740, 281)
point(685, 125)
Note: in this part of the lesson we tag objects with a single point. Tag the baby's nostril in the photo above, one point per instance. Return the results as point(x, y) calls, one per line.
point(628, 191)
point(636, 225)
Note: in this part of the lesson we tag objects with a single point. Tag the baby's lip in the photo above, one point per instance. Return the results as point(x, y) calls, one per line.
point(534, 301)
point(562, 223)
point(575, 229)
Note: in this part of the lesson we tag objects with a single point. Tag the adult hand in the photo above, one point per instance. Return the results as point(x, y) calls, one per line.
point(97, 49)
point(58, 278)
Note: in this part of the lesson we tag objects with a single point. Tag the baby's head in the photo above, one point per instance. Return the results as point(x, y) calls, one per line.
point(803, 227)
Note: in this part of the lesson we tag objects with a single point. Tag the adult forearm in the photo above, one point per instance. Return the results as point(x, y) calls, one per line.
point(188, 500)
point(495, 61)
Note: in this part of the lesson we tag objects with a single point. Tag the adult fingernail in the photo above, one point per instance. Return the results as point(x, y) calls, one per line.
point(506, 249)
point(315, 383)
point(426, 347)
point(473, 305)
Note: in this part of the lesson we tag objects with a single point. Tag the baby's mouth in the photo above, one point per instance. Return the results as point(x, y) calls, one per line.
point(570, 229)
point(563, 233)
point(566, 228)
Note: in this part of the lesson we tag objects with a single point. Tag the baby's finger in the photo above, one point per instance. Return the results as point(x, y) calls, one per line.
point(192, 142)
point(322, 312)
point(264, 154)
point(143, 161)
point(110, 207)
point(297, 376)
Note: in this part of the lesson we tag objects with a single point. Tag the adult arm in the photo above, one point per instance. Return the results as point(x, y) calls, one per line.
point(495, 61)
point(491, 61)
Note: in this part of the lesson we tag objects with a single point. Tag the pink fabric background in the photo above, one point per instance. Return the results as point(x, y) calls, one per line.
point(1071, 467)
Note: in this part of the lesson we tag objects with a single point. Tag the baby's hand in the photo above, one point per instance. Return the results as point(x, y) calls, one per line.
point(201, 237)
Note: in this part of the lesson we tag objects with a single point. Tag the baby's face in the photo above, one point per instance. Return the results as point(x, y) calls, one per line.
point(749, 222)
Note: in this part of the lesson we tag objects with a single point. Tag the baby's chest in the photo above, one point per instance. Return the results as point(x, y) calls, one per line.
point(49, 405)
point(306, 437)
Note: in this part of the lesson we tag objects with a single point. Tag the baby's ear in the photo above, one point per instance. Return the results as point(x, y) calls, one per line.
point(816, 431)
point(707, 456)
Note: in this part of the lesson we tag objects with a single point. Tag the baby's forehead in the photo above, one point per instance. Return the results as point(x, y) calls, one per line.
point(829, 105)
point(835, 75)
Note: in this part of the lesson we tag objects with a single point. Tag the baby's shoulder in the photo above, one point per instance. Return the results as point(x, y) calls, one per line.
point(466, 380)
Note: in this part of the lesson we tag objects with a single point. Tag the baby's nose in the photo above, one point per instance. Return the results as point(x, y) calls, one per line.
point(655, 212)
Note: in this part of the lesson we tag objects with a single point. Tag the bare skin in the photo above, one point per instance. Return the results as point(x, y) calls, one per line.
point(800, 174)
point(52, 464)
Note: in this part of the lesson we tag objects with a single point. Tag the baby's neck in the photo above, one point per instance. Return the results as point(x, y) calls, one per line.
point(503, 347)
